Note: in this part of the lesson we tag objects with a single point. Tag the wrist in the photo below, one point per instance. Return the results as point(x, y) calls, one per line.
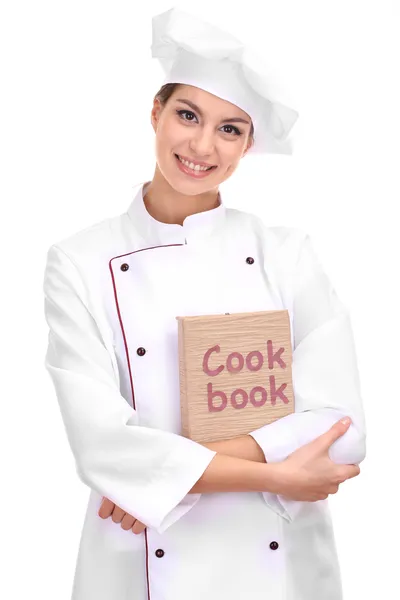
point(274, 478)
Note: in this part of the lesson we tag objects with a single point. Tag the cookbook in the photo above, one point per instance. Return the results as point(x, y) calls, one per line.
point(235, 372)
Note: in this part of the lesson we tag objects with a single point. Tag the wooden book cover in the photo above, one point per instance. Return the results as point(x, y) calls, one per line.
point(235, 373)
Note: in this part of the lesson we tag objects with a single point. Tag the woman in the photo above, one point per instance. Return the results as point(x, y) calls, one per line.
point(235, 519)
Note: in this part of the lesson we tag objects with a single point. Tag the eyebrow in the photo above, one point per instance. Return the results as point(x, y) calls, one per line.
point(195, 107)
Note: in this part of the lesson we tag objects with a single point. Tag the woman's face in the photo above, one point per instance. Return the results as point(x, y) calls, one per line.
point(199, 126)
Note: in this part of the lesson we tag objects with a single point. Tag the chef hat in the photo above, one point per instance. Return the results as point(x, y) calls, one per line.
point(194, 52)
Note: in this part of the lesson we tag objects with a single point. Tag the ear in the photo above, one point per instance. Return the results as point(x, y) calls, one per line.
point(249, 145)
point(155, 113)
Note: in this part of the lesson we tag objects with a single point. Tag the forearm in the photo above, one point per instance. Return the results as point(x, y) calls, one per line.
point(232, 474)
point(243, 446)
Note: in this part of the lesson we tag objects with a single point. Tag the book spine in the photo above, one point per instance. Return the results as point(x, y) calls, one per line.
point(183, 380)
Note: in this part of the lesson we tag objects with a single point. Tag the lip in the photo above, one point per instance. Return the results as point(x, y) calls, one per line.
point(190, 172)
point(196, 162)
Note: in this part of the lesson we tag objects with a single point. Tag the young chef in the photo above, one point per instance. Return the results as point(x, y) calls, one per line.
point(231, 520)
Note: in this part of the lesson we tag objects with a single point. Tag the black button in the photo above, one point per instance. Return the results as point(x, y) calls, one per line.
point(159, 553)
point(124, 267)
point(141, 351)
point(249, 260)
point(274, 545)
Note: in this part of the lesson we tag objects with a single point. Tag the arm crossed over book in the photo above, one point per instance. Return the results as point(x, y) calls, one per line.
point(322, 387)
point(325, 375)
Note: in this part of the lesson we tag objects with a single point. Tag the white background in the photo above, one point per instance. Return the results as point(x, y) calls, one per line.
point(77, 84)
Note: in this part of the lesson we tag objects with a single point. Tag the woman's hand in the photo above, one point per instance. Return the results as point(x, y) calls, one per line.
point(109, 509)
point(309, 474)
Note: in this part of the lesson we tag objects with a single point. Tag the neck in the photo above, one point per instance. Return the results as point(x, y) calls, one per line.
point(167, 205)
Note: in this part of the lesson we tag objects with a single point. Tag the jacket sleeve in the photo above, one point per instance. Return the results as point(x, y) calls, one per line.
point(147, 472)
point(325, 377)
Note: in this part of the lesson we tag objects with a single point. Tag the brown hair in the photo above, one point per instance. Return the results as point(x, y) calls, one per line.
point(166, 91)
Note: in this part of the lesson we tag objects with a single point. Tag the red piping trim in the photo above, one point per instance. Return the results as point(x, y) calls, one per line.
point(129, 364)
point(119, 312)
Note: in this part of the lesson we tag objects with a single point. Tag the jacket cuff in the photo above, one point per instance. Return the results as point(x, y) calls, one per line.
point(279, 438)
point(179, 474)
point(284, 507)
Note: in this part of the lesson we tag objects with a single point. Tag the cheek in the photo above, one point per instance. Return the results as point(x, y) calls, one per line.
point(173, 132)
point(166, 140)
point(232, 158)
point(230, 162)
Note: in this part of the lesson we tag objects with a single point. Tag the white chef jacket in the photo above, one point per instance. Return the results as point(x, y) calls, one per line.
point(112, 293)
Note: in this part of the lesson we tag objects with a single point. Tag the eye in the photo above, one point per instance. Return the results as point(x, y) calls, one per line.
point(182, 112)
point(237, 131)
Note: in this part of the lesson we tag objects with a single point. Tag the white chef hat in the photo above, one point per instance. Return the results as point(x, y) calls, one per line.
point(194, 52)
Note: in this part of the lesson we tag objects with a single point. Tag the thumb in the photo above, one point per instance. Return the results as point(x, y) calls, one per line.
point(334, 432)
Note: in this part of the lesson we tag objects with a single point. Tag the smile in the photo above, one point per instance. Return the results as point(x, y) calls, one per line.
point(196, 171)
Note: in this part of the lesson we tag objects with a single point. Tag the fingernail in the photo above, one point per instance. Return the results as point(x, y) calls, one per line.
point(345, 420)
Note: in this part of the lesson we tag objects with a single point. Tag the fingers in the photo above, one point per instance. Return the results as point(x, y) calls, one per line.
point(118, 514)
point(333, 433)
point(347, 472)
point(106, 508)
point(127, 521)
point(138, 527)
point(352, 471)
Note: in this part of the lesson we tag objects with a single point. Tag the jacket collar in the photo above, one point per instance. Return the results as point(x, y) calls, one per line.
point(195, 227)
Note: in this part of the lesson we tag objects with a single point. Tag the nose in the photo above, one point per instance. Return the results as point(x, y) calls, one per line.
point(202, 143)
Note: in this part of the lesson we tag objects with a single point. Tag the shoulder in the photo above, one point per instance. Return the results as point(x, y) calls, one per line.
point(82, 240)
point(94, 243)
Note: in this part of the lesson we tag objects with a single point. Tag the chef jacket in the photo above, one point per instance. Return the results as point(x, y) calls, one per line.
point(112, 292)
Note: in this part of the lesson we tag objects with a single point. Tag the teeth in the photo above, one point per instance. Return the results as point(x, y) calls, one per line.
point(193, 166)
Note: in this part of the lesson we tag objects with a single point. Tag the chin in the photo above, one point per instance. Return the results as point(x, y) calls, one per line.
point(189, 189)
